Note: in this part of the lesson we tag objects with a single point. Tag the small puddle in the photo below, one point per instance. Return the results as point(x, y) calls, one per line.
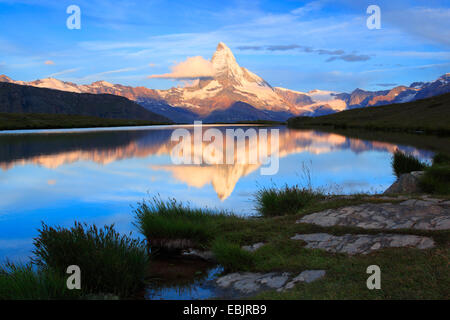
point(182, 279)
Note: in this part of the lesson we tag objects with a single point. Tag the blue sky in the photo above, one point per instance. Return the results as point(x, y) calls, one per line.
point(301, 45)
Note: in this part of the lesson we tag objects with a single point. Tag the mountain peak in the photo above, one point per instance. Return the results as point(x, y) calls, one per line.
point(225, 66)
point(5, 78)
point(222, 46)
point(223, 56)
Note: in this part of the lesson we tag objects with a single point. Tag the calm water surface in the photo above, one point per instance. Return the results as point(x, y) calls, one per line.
point(96, 175)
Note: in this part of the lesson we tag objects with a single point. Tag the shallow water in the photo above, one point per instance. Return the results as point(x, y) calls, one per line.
point(96, 175)
point(182, 279)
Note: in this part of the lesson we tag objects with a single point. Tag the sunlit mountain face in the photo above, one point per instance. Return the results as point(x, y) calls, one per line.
point(228, 92)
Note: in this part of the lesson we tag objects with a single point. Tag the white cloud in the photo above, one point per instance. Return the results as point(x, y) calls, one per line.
point(62, 72)
point(309, 7)
point(193, 68)
point(431, 24)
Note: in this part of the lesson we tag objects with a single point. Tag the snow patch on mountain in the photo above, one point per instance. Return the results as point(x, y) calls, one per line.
point(230, 83)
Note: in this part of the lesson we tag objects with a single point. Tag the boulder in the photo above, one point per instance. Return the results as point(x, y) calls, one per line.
point(171, 245)
point(407, 183)
point(253, 247)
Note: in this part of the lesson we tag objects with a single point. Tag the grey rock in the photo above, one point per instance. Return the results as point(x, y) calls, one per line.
point(320, 237)
point(406, 183)
point(253, 247)
point(249, 283)
point(274, 281)
point(412, 213)
point(309, 276)
point(204, 255)
point(409, 202)
point(306, 276)
point(363, 243)
point(171, 244)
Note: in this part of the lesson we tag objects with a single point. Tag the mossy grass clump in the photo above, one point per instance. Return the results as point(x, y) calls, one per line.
point(23, 282)
point(287, 200)
point(441, 158)
point(437, 177)
point(405, 163)
point(110, 263)
point(158, 219)
point(231, 256)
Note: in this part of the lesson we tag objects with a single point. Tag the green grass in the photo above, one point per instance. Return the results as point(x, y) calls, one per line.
point(405, 163)
point(231, 256)
point(157, 219)
point(431, 115)
point(437, 177)
point(406, 273)
point(20, 121)
point(441, 158)
point(287, 200)
point(21, 282)
point(110, 263)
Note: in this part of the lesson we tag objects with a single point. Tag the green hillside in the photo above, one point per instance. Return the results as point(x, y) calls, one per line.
point(431, 115)
point(17, 121)
point(16, 98)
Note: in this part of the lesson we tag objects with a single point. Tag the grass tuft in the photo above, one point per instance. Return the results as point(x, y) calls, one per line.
point(231, 256)
point(158, 219)
point(441, 158)
point(109, 262)
point(405, 163)
point(437, 177)
point(21, 282)
point(287, 200)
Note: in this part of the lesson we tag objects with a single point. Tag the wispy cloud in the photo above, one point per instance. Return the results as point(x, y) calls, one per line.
point(283, 47)
point(413, 33)
point(308, 7)
point(350, 57)
point(386, 84)
point(63, 72)
point(99, 75)
point(427, 23)
point(49, 62)
point(424, 66)
point(337, 54)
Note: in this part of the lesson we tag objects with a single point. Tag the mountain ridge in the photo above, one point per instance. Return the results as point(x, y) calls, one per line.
point(231, 83)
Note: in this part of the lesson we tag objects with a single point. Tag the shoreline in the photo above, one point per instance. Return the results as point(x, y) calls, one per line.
point(34, 122)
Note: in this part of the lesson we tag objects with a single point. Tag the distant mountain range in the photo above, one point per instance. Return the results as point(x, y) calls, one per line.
point(234, 93)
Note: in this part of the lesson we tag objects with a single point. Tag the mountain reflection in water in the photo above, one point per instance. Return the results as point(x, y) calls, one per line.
point(95, 175)
point(53, 150)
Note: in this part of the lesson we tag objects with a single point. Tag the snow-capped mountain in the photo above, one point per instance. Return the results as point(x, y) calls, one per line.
point(229, 84)
point(218, 95)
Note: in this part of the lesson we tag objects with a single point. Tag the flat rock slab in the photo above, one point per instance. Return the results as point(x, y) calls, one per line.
point(362, 243)
point(253, 247)
point(250, 283)
point(429, 214)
